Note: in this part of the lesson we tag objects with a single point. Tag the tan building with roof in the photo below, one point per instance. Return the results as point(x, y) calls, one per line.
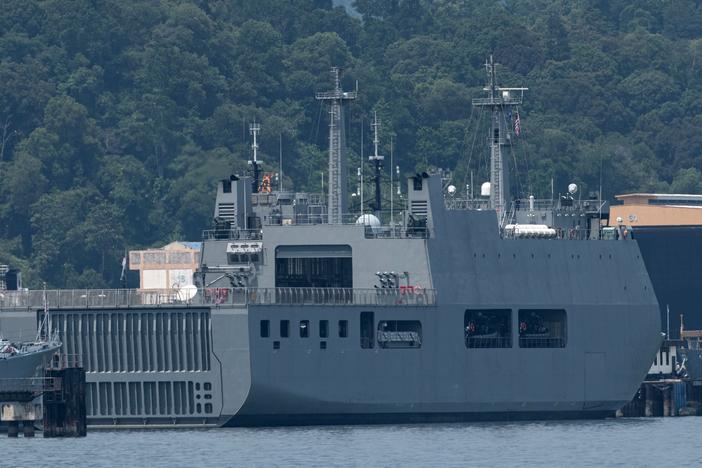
point(655, 209)
point(168, 267)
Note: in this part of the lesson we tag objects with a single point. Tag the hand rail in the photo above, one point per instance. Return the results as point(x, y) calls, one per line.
point(148, 298)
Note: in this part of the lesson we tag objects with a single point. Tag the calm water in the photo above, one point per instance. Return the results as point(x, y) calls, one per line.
point(621, 442)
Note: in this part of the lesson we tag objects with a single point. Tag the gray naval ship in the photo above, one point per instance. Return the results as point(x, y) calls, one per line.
point(444, 308)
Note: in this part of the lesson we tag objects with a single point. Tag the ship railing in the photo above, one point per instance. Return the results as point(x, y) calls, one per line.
point(147, 298)
point(319, 296)
point(458, 203)
point(91, 298)
point(232, 234)
point(388, 227)
point(541, 342)
point(477, 342)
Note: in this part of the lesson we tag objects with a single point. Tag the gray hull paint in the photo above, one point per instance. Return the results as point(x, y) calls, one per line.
point(140, 370)
point(26, 365)
point(612, 326)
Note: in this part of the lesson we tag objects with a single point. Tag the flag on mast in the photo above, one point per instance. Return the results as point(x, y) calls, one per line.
point(517, 125)
point(123, 276)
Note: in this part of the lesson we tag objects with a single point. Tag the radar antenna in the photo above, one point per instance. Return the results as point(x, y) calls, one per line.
point(498, 101)
point(255, 164)
point(378, 161)
point(337, 163)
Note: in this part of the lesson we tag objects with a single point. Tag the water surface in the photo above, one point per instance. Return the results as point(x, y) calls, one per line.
point(616, 442)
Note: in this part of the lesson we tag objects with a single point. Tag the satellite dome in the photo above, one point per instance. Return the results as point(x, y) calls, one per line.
point(572, 189)
point(451, 189)
point(368, 220)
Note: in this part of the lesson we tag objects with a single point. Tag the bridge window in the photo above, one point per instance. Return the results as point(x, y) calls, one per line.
point(488, 328)
point(313, 266)
point(399, 334)
point(265, 328)
point(284, 328)
point(542, 328)
point(324, 328)
point(367, 322)
point(343, 328)
point(304, 328)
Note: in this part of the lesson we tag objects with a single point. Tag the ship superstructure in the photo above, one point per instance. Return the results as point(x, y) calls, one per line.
point(441, 311)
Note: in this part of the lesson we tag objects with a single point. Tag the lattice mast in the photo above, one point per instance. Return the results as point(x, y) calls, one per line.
point(499, 103)
point(337, 144)
point(255, 164)
point(377, 160)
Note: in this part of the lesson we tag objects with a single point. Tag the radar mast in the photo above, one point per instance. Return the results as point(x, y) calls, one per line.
point(337, 163)
point(255, 164)
point(378, 162)
point(499, 102)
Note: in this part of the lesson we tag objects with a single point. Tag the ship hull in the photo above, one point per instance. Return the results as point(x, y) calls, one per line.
point(25, 366)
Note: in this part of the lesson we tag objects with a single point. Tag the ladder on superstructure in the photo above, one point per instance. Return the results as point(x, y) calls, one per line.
point(337, 187)
point(499, 99)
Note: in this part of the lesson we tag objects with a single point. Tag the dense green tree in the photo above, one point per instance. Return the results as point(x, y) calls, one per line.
point(117, 118)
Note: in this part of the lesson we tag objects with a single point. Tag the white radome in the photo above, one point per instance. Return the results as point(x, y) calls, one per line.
point(451, 189)
point(572, 189)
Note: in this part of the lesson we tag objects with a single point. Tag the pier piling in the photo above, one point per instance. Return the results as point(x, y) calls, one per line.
point(64, 404)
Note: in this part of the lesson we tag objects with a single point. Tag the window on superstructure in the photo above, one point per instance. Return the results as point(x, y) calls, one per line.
point(265, 328)
point(542, 328)
point(487, 328)
point(399, 334)
point(324, 328)
point(314, 266)
point(304, 328)
point(367, 330)
point(284, 328)
point(343, 328)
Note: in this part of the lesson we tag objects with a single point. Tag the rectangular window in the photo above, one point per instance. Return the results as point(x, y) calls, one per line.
point(304, 328)
point(265, 329)
point(343, 328)
point(322, 345)
point(313, 266)
point(488, 328)
point(399, 334)
point(367, 332)
point(324, 328)
point(284, 328)
point(542, 328)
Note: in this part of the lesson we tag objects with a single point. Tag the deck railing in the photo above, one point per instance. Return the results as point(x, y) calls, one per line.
point(125, 298)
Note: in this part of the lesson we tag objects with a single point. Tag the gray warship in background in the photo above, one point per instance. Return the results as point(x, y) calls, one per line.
point(443, 308)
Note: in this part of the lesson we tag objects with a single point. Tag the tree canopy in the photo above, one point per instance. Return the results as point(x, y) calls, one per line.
point(116, 118)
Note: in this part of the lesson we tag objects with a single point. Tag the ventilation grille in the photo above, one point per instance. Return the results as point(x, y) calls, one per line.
point(419, 207)
point(227, 211)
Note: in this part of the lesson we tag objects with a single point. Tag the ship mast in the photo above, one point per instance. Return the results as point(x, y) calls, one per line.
point(499, 101)
point(337, 163)
point(254, 128)
point(378, 162)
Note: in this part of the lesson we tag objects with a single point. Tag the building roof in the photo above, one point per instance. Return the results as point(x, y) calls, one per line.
point(660, 196)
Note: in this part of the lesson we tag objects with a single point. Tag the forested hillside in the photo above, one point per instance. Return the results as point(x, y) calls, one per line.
point(116, 117)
